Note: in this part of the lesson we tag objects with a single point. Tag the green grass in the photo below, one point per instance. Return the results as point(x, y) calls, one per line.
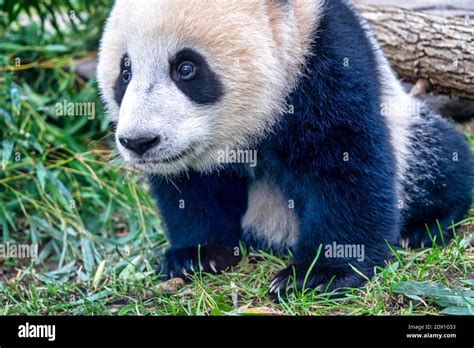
point(98, 229)
point(241, 290)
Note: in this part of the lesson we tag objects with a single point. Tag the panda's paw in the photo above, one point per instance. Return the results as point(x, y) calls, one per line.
point(181, 263)
point(295, 280)
point(420, 238)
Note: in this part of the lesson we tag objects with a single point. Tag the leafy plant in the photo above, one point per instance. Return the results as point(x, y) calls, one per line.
point(58, 187)
point(458, 301)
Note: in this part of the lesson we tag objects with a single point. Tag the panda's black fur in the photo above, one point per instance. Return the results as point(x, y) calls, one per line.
point(334, 159)
point(444, 196)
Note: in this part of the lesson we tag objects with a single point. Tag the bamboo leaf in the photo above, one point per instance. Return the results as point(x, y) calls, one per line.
point(98, 274)
point(7, 149)
point(41, 174)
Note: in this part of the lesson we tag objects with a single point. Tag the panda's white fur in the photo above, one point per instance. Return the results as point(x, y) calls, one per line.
point(270, 216)
point(400, 110)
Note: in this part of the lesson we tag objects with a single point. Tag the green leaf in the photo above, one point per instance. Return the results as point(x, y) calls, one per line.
point(131, 267)
point(93, 297)
point(215, 312)
point(6, 115)
point(469, 282)
point(60, 186)
point(41, 174)
point(10, 46)
point(468, 310)
point(87, 254)
point(414, 297)
point(428, 289)
point(62, 274)
point(15, 99)
point(448, 301)
point(126, 309)
point(7, 149)
point(98, 274)
point(47, 227)
point(6, 231)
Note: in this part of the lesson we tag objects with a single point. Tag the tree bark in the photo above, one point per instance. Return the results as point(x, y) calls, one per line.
point(437, 49)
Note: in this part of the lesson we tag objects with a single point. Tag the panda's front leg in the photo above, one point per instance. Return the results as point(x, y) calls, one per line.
point(202, 214)
point(349, 224)
point(182, 262)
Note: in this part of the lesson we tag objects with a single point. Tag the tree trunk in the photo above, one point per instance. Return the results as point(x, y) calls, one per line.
point(419, 46)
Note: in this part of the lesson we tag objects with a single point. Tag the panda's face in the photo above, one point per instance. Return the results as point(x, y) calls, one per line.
point(184, 79)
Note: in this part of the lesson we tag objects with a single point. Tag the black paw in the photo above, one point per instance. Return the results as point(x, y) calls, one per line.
point(209, 259)
point(295, 279)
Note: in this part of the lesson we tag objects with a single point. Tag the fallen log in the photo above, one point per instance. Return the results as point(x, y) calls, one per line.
point(422, 46)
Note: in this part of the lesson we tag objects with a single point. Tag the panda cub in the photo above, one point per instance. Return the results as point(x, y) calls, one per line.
point(344, 159)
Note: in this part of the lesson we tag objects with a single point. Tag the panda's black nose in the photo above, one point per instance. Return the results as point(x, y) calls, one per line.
point(139, 145)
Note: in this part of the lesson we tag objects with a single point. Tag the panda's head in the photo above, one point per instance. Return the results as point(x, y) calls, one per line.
point(184, 79)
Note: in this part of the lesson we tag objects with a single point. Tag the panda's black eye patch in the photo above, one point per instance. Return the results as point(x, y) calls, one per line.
point(122, 81)
point(193, 76)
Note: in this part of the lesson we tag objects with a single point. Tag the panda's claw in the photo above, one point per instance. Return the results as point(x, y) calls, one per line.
point(272, 284)
point(184, 262)
point(212, 264)
point(285, 286)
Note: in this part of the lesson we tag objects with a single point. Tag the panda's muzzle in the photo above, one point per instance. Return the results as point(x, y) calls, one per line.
point(140, 145)
point(190, 151)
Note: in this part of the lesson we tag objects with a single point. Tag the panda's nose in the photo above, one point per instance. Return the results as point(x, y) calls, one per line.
point(139, 145)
